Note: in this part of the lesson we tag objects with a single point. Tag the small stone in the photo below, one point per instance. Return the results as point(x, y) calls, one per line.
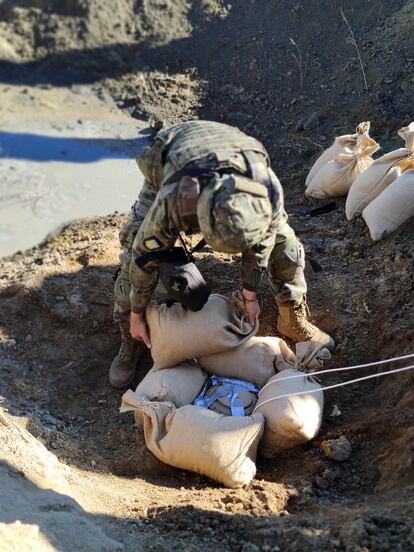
point(335, 411)
point(250, 547)
point(9, 342)
point(311, 122)
point(321, 483)
point(93, 463)
point(157, 125)
point(60, 298)
point(328, 475)
point(50, 420)
point(337, 449)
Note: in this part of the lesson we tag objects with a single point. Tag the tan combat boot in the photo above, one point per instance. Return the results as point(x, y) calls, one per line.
point(123, 367)
point(293, 323)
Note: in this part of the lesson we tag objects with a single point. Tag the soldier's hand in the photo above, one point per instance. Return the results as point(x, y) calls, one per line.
point(139, 328)
point(251, 306)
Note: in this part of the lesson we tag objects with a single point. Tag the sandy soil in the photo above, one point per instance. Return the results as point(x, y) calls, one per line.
point(234, 63)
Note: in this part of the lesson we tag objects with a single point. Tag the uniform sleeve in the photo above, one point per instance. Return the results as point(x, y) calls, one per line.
point(158, 232)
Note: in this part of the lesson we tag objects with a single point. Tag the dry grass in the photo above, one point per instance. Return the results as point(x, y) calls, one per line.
point(356, 46)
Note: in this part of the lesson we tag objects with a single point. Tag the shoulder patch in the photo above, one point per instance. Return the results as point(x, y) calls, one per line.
point(152, 244)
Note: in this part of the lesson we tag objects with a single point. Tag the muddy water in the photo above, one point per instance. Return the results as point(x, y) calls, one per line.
point(52, 172)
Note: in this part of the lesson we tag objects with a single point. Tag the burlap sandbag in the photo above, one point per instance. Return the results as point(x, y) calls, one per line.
point(179, 385)
point(342, 144)
point(381, 174)
point(310, 356)
point(200, 440)
point(289, 421)
point(178, 334)
point(336, 177)
point(255, 360)
point(393, 207)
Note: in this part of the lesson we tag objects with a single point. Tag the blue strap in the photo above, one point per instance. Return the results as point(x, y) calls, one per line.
point(236, 406)
point(229, 388)
point(247, 386)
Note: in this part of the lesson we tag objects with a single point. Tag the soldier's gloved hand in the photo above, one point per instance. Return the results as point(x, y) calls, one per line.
point(251, 306)
point(139, 328)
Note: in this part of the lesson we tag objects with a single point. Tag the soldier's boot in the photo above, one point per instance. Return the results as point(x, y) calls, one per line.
point(123, 367)
point(293, 323)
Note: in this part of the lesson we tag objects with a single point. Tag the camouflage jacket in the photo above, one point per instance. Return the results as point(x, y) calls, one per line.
point(203, 144)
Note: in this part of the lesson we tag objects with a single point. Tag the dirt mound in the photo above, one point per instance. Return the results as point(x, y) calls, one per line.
point(289, 73)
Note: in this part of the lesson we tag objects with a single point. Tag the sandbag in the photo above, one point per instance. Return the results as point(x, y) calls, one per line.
point(391, 208)
point(290, 421)
point(179, 385)
point(342, 144)
point(310, 356)
point(383, 171)
point(200, 440)
point(178, 334)
point(255, 360)
point(336, 177)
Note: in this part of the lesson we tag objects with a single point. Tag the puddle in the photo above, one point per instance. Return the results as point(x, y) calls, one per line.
point(52, 172)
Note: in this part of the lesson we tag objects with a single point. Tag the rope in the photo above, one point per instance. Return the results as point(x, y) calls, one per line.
point(394, 371)
point(329, 371)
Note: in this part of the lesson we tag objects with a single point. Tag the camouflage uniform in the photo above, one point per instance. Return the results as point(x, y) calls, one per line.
point(154, 218)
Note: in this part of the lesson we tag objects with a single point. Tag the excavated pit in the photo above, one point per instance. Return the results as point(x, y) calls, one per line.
point(230, 62)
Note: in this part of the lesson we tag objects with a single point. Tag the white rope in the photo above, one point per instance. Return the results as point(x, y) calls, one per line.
point(395, 371)
point(329, 371)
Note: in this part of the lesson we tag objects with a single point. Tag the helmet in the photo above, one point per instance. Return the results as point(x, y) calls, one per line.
point(234, 213)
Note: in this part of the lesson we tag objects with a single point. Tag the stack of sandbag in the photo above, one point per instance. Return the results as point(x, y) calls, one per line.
point(292, 420)
point(203, 439)
point(336, 176)
point(383, 172)
point(342, 144)
point(392, 207)
point(178, 334)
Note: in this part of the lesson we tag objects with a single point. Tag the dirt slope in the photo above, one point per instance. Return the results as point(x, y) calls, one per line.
point(232, 62)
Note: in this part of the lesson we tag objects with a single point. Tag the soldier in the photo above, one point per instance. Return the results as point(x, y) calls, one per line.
point(208, 177)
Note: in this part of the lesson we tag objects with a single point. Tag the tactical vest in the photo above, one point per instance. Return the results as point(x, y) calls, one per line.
point(212, 145)
point(197, 147)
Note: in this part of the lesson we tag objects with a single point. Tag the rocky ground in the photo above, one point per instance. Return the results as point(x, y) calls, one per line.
point(88, 474)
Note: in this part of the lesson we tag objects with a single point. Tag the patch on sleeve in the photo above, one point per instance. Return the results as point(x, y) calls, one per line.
point(152, 244)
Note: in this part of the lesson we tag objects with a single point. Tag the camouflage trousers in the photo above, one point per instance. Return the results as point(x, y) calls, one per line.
point(286, 264)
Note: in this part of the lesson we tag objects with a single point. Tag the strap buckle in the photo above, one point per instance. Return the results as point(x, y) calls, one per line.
point(188, 193)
